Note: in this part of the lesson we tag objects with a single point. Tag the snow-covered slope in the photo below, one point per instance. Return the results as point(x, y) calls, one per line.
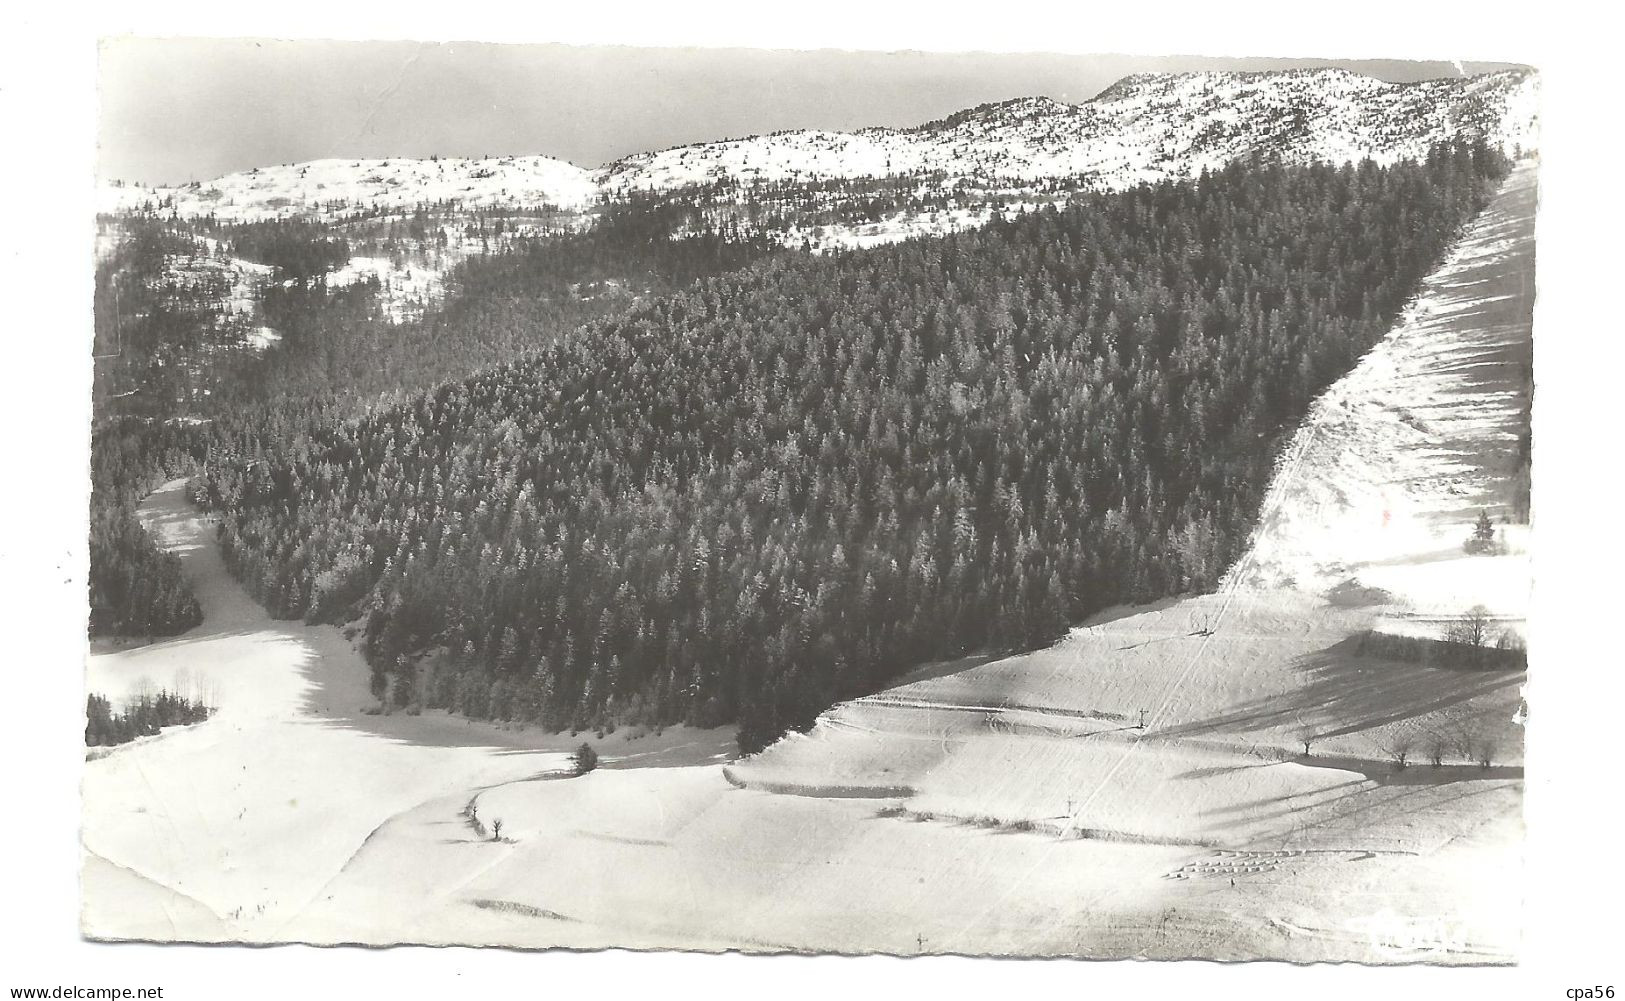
point(1383, 482)
point(1143, 128)
point(333, 188)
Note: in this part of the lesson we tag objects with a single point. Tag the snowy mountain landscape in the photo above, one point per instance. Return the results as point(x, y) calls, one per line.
point(1142, 129)
point(943, 176)
point(1093, 529)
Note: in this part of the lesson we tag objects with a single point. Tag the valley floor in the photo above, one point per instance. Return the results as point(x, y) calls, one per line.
point(1139, 789)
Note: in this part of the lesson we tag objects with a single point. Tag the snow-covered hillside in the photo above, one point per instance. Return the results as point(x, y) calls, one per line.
point(1143, 128)
point(1384, 480)
point(334, 188)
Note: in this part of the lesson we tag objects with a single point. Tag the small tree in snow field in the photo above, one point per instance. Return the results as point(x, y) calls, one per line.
point(1482, 541)
point(585, 759)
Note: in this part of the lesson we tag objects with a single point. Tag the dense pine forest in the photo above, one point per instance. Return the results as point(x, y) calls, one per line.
point(163, 330)
point(135, 588)
point(298, 249)
point(500, 306)
point(164, 342)
point(172, 363)
point(781, 483)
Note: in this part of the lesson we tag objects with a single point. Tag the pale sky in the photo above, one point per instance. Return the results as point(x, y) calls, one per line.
point(177, 110)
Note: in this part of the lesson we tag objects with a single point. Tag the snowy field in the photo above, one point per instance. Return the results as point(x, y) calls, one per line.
point(405, 291)
point(1139, 789)
point(229, 830)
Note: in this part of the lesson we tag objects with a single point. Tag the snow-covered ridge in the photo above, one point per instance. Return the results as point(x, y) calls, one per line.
point(337, 187)
point(1143, 128)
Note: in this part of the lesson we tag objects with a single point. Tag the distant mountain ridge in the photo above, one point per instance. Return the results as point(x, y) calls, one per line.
point(1142, 128)
point(1145, 127)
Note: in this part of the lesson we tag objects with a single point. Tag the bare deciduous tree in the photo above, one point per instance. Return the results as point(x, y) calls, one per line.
point(1399, 751)
point(1471, 631)
point(1437, 747)
point(1305, 735)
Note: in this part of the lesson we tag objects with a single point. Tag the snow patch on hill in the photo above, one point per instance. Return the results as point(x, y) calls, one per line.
point(405, 290)
point(897, 228)
point(213, 275)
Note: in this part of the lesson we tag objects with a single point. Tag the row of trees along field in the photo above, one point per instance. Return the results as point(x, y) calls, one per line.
point(144, 716)
point(781, 486)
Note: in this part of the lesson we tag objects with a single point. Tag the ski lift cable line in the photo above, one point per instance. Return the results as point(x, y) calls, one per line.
point(1289, 473)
